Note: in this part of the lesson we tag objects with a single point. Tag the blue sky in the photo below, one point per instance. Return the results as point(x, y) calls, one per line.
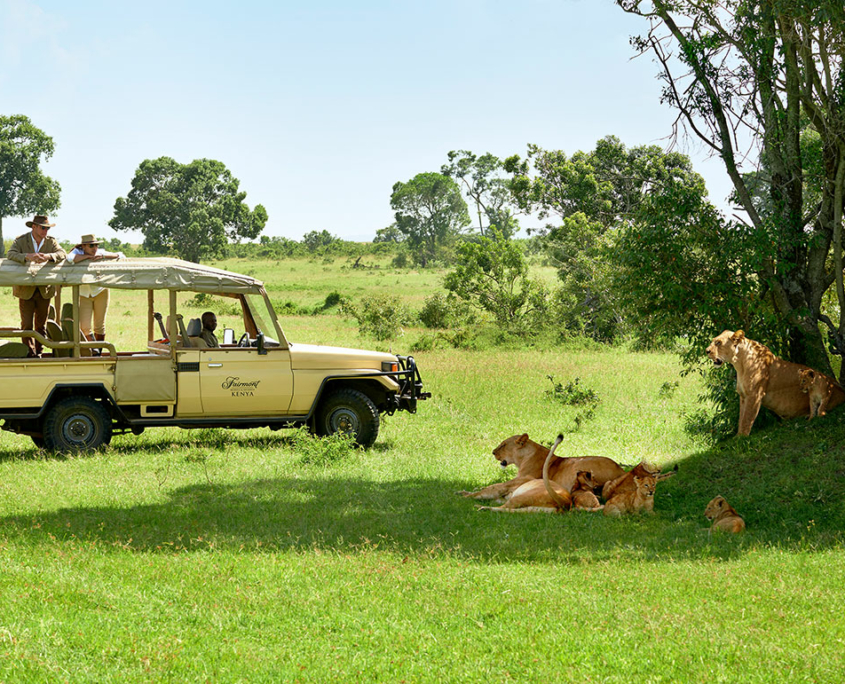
point(318, 107)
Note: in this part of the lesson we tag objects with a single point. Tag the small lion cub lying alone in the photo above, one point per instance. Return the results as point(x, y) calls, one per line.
point(819, 388)
point(634, 501)
point(723, 515)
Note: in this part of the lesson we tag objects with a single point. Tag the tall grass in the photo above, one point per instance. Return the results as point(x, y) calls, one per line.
point(261, 556)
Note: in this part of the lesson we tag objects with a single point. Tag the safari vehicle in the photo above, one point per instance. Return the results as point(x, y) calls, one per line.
point(79, 393)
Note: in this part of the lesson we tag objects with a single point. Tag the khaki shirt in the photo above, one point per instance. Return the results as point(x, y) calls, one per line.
point(209, 337)
point(23, 246)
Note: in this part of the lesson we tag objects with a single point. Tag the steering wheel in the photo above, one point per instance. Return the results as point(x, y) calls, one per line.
point(244, 341)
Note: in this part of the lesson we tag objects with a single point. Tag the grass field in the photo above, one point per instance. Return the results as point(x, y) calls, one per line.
point(257, 556)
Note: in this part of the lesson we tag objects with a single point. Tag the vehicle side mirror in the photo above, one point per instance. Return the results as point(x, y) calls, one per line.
point(228, 336)
point(259, 341)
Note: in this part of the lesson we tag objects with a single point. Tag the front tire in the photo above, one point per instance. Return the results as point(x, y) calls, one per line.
point(351, 412)
point(77, 424)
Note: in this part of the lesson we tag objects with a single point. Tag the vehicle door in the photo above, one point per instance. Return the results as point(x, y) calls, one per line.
point(241, 381)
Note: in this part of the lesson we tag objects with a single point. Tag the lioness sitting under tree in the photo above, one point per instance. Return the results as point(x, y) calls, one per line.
point(762, 379)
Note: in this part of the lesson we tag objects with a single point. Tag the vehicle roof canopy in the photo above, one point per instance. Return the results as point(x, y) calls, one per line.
point(130, 274)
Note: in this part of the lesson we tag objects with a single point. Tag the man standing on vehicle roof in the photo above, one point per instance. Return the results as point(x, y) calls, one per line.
point(40, 248)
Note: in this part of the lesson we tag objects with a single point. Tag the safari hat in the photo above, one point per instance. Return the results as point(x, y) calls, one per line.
point(88, 240)
point(40, 220)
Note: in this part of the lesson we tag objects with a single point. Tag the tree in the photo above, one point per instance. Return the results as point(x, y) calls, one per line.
point(761, 83)
point(316, 240)
point(430, 212)
point(24, 189)
point(591, 197)
point(389, 234)
point(484, 186)
point(189, 210)
point(492, 275)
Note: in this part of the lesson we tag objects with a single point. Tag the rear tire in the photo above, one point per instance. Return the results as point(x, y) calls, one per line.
point(351, 412)
point(77, 424)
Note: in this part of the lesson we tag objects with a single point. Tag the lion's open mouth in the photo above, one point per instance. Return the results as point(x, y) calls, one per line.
point(504, 464)
point(717, 362)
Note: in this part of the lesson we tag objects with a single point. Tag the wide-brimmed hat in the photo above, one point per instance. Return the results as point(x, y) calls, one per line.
point(88, 240)
point(40, 220)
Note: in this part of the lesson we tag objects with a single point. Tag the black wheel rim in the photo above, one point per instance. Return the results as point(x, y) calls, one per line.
point(79, 430)
point(344, 420)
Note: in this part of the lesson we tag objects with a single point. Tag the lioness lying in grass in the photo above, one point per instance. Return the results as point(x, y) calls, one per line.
point(530, 458)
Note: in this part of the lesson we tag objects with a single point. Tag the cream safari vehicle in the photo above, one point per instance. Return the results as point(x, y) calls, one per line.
point(71, 398)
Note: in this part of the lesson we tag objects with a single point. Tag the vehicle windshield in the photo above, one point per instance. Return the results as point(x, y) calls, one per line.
point(258, 309)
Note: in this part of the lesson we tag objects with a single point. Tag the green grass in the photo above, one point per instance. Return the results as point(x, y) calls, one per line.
point(257, 556)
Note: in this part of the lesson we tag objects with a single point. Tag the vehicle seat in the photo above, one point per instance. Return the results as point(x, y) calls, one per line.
point(13, 350)
point(194, 329)
point(67, 334)
point(182, 338)
point(54, 332)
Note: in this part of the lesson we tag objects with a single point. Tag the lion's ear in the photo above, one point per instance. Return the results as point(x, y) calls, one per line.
point(738, 336)
point(522, 440)
point(811, 373)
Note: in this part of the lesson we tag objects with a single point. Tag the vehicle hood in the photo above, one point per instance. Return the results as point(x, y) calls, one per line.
point(316, 356)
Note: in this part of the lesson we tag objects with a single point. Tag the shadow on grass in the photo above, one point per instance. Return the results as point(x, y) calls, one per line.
point(788, 482)
point(204, 439)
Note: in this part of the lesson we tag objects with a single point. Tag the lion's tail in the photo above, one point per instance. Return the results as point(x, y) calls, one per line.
point(562, 503)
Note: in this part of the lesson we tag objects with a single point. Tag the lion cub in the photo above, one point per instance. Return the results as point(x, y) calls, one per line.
point(723, 515)
point(634, 501)
point(819, 388)
point(582, 494)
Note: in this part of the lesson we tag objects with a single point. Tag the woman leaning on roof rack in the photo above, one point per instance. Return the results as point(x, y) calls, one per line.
point(93, 300)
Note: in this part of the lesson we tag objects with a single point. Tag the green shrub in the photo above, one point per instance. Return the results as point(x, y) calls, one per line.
point(718, 417)
point(572, 393)
point(201, 300)
point(380, 316)
point(322, 451)
point(445, 311)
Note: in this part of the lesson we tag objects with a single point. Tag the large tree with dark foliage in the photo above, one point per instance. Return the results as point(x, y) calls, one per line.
point(24, 189)
point(430, 213)
point(187, 210)
point(761, 84)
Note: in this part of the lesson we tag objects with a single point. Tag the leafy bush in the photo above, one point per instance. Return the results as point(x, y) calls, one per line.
point(572, 393)
point(457, 338)
point(493, 276)
point(332, 299)
point(667, 389)
point(289, 308)
point(445, 311)
point(322, 451)
point(718, 417)
point(381, 316)
point(201, 300)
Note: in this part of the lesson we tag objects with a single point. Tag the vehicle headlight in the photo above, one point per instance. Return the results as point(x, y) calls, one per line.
point(389, 366)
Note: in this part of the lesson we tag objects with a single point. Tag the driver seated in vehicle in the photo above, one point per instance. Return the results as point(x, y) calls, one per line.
point(209, 325)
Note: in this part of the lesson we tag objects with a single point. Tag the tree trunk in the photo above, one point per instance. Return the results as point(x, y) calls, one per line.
point(2, 242)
